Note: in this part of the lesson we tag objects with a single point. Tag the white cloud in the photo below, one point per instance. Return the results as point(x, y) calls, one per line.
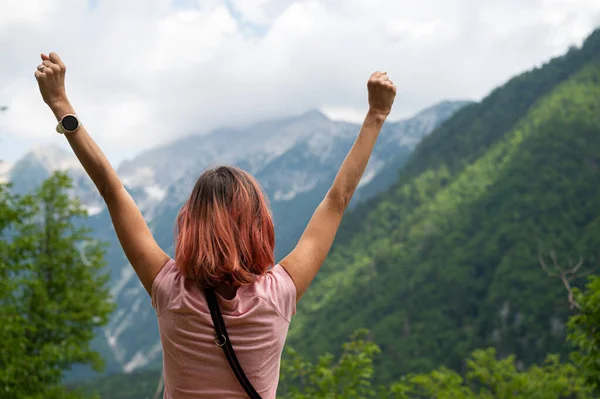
point(142, 72)
point(260, 12)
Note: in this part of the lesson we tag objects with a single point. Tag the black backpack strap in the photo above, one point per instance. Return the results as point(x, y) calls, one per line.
point(222, 340)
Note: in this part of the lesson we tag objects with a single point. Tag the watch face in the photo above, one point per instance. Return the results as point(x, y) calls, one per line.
point(70, 123)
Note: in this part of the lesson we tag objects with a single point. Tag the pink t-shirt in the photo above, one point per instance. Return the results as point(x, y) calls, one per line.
point(257, 322)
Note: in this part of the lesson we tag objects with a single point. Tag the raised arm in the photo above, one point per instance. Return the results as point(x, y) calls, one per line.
point(303, 263)
point(139, 246)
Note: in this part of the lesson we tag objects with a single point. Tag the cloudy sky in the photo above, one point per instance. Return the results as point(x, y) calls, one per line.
point(143, 72)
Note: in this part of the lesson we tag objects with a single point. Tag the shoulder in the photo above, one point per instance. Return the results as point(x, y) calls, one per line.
point(280, 275)
point(279, 289)
point(163, 286)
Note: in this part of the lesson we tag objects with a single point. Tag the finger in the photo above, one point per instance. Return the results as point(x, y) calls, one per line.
point(38, 75)
point(46, 69)
point(55, 58)
point(44, 57)
point(384, 77)
point(48, 63)
point(376, 75)
point(43, 68)
point(51, 65)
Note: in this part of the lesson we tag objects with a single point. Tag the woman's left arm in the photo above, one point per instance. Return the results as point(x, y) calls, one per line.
point(142, 251)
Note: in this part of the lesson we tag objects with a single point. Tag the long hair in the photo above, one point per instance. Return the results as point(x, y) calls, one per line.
point(225, 233)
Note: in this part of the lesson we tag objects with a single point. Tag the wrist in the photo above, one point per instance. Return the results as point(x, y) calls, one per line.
point(61, 108)
point(377, 115)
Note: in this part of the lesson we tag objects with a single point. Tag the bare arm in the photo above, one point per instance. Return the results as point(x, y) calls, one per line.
point(135, 237)
point(303, 263)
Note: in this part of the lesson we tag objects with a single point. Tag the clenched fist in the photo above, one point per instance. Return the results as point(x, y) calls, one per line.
point(50, 75)
point(381, 93)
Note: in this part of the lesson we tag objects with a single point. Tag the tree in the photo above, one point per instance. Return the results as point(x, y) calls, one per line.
point(584, 324)
point(584, 332)
point(487, 377)
point(350, 377)
point(491, 378)
point(53, 291)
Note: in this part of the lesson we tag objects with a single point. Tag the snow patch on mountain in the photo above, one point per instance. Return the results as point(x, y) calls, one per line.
point(121, 323)
point(55, 158)
point(374, 166)
point(140, 177)
point(141, 359)
point(321, 145)
point(300, 184)
point(367, 177)
point(126, 275)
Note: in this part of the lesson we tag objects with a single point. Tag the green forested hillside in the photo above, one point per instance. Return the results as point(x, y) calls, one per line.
point(447, 260)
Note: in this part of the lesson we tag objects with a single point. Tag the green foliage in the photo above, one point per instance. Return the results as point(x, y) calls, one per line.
point(584, 333)
point(349, 377)
point(447, 260)
point(53, 293)
point(491, 378)
point(487, 377)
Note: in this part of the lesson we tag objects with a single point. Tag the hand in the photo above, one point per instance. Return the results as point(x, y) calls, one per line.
point(50, 75)
point(381, 93)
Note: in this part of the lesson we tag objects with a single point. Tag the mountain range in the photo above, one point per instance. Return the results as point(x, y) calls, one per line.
point(295, 159)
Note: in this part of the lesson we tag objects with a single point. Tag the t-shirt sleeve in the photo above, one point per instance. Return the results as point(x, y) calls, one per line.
point(162, 287)
point(285, 292)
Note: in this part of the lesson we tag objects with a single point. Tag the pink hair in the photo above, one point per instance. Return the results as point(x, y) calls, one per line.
point(225, 233)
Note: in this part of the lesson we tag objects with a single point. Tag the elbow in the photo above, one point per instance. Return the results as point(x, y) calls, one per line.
point(103, 191)
point(338, 200)
point(107, 192)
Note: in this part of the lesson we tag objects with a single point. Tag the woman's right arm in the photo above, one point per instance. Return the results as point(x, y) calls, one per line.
point(303, 263)
point(142, 251)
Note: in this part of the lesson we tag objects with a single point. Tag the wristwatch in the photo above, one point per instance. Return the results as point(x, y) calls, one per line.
point(68, 124)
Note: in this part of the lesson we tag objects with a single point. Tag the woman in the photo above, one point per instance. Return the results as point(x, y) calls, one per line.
point(225, 241)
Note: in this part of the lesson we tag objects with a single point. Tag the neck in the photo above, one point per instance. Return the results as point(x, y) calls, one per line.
point(227, 291)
